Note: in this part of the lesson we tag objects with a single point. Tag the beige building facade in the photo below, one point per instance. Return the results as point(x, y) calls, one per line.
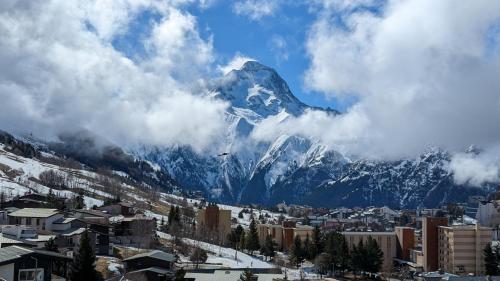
point(283, 234)
point(387, 241)
point(215, 222)
point(461, 248)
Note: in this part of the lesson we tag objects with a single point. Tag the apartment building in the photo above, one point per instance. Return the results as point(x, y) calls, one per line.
point(430, 241)
point(387, 242)
point(213, 220)
point(283, 234)
point(461, 248)
point(406, 241)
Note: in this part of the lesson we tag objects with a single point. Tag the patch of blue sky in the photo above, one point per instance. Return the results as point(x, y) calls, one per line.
point(131, 42)
point(492, 40)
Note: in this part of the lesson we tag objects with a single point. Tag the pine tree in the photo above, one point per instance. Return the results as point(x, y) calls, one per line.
point(243, 239)
point(51, 245)
point(331, 245)
point(358, 257)
point(179, 274)
point(171, 215)
point(238, 231)
point(198, 255)
point(490, 261)
point(343, 259)
point(268, 249)
point(82, 268)
point(374, 256)
point(322, 264)
point(247, 275)
point(307, 248)
point(177, 215)
point(296, 251)
point(316, 243)
point(79, 201)
point(252, 241)
point(234, 236)
point(162, 224)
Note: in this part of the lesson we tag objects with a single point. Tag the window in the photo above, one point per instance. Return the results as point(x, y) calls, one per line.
point(28, 221)
point(37, 221)
point(30, 274)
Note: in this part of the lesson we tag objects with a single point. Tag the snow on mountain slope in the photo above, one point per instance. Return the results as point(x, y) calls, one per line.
point(21, 175)
point(257, 88)
point(30, 167)
point(292, 168)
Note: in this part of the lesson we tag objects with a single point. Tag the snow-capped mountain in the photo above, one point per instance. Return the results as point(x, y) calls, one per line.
point(292, 168)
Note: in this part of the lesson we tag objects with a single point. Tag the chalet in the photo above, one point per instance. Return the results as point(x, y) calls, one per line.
point(20, 263)
point(156, 258)
point(69, 240)
point(147, 274)
point(151, 266)
point(91, 216)
point(7, 241)
point(33, 200)
point(41, 239)
point(139, 229)
point(103, 235)
point(38, 218)
point(233, 274)
point(119, 209)
point(69, 230)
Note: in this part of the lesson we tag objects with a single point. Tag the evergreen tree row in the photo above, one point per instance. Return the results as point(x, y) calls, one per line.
point(331, 253)
point(492, 260)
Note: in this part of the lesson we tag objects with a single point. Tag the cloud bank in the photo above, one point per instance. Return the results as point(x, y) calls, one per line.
point(476, 169)
point(59, 71)
point(425, 74)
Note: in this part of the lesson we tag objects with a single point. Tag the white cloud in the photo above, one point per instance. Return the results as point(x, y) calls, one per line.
point(234, 64)
point(473, 169)
point(279, 46)
point(57, 74)
point(423, 71)
point(255, 9)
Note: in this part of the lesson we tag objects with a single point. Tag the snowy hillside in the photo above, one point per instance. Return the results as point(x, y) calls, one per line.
point(28, 166)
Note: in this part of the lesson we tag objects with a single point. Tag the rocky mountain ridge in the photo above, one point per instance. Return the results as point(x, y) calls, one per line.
point(297, 169)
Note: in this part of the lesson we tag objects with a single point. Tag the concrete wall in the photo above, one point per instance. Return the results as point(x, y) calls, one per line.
point(406, 241)
point(386, 241)
point(461, 249)
point(7, 272)
point(430, 241)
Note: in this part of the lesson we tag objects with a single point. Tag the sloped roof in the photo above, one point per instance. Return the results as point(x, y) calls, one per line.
point(6, 239)
point(64, 220)
point(12, 253)
point(73, 231)
point(34, 213)
point(158, 270)
point(156, 254)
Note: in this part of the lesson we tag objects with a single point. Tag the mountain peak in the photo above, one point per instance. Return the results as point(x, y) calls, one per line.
point(252, 66)
point(259, 88)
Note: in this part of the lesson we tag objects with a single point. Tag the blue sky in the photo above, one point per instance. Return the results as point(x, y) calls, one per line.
point(261, 39)
point(277, 40)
